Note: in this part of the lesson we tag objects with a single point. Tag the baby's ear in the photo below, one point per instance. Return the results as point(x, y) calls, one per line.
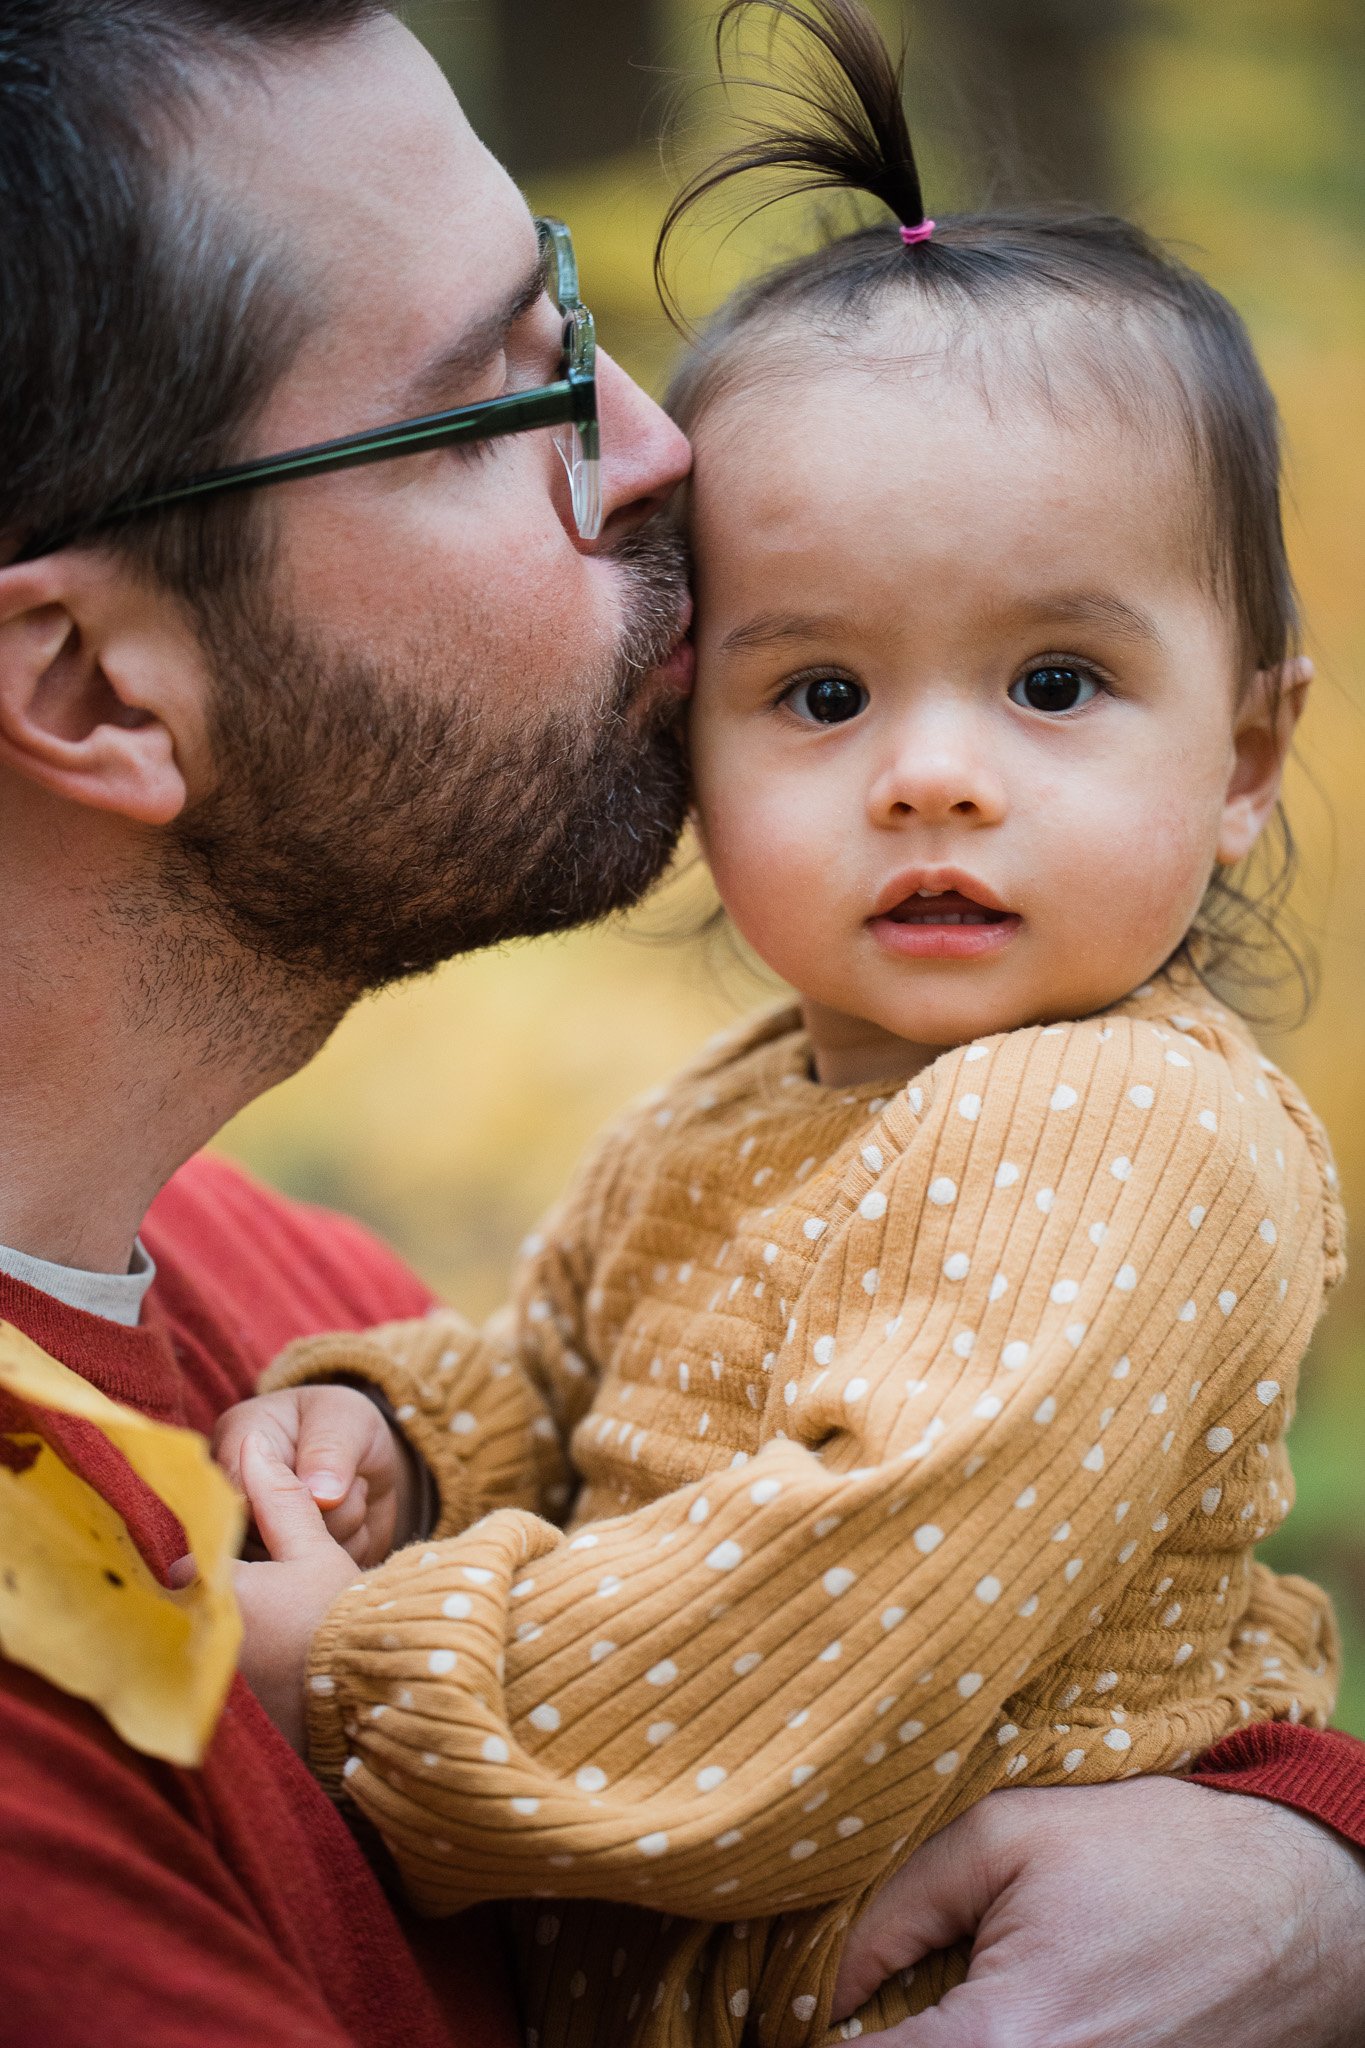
point(1262, 734)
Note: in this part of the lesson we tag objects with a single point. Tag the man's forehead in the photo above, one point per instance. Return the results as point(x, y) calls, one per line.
point(400, 227)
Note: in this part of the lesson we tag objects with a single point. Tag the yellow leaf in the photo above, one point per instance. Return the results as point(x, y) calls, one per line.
point(77, 1602)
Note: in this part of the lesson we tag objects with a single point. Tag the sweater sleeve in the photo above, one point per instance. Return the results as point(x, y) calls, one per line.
point(488, 1410)
point(1317, 1771)
point(1036, 1340)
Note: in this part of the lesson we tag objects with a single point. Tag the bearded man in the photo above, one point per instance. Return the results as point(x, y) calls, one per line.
point(277, 728)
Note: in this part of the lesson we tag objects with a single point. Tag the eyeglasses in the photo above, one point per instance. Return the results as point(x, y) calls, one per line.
point(569, 404)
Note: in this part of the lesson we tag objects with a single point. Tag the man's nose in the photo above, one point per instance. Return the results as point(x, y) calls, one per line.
point(644, 456)
point(939, 771)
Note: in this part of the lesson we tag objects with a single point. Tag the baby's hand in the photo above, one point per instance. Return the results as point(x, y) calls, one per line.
point(358, 1470)
point(284, 1600)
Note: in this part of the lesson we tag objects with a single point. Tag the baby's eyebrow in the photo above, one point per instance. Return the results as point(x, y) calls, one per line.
point(770, 627)
point(1092, 608)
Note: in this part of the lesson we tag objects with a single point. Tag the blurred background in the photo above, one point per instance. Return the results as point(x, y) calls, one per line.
point(448, 1114)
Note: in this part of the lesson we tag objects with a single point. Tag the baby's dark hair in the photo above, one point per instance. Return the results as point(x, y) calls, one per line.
point(1163, 345)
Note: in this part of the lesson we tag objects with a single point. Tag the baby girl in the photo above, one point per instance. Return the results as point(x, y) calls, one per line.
point(890, 1409)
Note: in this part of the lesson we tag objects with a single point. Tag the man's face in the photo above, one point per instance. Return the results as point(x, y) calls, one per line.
point(451, 721)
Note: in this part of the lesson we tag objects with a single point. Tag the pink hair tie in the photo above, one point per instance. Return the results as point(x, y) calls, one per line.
point(920, 234)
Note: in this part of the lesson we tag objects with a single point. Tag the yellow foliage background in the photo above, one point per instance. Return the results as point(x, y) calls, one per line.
point(447, 1114)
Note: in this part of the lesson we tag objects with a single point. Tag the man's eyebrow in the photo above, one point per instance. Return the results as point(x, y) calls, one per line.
point(439, 382)
point(771, 628)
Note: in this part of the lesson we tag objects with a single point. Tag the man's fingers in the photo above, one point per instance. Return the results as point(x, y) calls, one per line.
point(287, 1516)
point(959, 2021)
point(940, 1896)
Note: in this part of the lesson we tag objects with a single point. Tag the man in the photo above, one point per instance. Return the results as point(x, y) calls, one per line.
point(263, 751)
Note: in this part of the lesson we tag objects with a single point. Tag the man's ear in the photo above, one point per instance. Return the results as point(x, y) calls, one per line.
point(1262, 735)
point(102, 686)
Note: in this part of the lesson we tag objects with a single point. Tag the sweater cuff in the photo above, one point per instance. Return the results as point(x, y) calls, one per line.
point(1317, 1771)
point(329, 1744)
point(345, 1359)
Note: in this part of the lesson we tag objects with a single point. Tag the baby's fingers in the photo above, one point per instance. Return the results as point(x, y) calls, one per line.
point(338, 1428)
point(349, 1520)
point(288, 1517)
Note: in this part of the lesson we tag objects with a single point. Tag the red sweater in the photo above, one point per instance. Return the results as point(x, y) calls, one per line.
point(230, 1906)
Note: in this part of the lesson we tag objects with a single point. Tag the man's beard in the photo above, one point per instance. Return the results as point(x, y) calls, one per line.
point(370, 822)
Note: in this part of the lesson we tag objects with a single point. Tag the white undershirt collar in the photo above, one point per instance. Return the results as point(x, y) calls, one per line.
point(118, 1297)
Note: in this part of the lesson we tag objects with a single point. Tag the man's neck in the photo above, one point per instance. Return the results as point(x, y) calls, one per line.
point(128, 1043)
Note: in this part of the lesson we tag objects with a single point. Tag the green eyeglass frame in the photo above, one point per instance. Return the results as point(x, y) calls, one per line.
point(570, 404)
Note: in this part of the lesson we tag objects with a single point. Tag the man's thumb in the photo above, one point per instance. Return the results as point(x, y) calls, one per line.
point(287, 1516)
point(937, 1898)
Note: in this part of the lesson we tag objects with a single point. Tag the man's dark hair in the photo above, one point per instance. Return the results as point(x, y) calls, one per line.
point(1139, 324)
point(144, 320)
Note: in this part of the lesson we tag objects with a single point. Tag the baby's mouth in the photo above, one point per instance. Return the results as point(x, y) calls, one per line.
point(946, 906)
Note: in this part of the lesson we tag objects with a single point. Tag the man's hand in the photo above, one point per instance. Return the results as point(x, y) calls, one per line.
point(283, 1601)
point(360, 1473)
point(1148, 1915)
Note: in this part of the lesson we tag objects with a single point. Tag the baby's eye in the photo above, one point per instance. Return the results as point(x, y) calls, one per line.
point(827, 700)
point(1053, 687)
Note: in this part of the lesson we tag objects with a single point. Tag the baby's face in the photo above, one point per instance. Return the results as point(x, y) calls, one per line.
point(965, 739)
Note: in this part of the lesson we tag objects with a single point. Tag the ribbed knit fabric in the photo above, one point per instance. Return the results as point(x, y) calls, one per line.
point(924, 1436)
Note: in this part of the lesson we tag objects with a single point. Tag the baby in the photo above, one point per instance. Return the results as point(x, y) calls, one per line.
point(914, 1371)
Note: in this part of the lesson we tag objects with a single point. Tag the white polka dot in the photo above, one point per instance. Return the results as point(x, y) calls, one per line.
point(1093, 1461)
point(927, 1537)
point(1075, 1334)
point(1119, 1739)
point(1122, 1369)
point(838, 1580)
point(1064, 1097)
point(804, 2006)
point(1267, 1391)
point(710, 1777)
point(1074, 1567)
point(823, 1349)
point(969, 1107)
point(975, 1052)
point(1208, 1120)
point(1014, 1356)
point(1219, 1440)
point(872, 1158)
point(1106, 1681)
point(1121, 1168)
point(946, 1764)
point(999, 1285)
point(608, 1586)
point(1073, 1759)
point(1029, 1608)
point(849, 1826)
point(1045, 1198)
point(942, 1191)
point(591, 1779)
point(1268, 1231)
point(699, 1511)
point(525, 1807)
point(1028, 1498)
point(725, 1556)
point(739, 2003)
point(988, 1407)
point(872, 1280)
point(1176, 1059)
point(988, 1591)
point(1183, 1654)
point(1197, 1216)
point(1064, 1291)
point(764, 1490)
point(1046, 1411)
point(457, 1607)
point(730, 1839)
point(814, 1226)
point(652, 1845)
point(478, 1575)
point(750, 1661)
point(545, 1718)
point(873, 1206)
point(1141, 1097)
point(1209, 1499)
point(915, 1097)
point(970, 1684)
point(799, 1851)
point(440, 1662)
point(892, 1617)
point(1227, 1301)
point(662, 1673)
point(1006, 1175)
point(790, 1392)
point(957, 1266)
point(659, 1731)
point(1126, 1279)
point(495, 1750)
point(964, 1343)
point(1098, 1232)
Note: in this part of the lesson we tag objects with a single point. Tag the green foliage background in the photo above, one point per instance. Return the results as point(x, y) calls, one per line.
point(447, 1114)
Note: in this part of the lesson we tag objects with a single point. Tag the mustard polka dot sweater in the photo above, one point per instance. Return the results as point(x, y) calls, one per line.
point(923, 1439)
